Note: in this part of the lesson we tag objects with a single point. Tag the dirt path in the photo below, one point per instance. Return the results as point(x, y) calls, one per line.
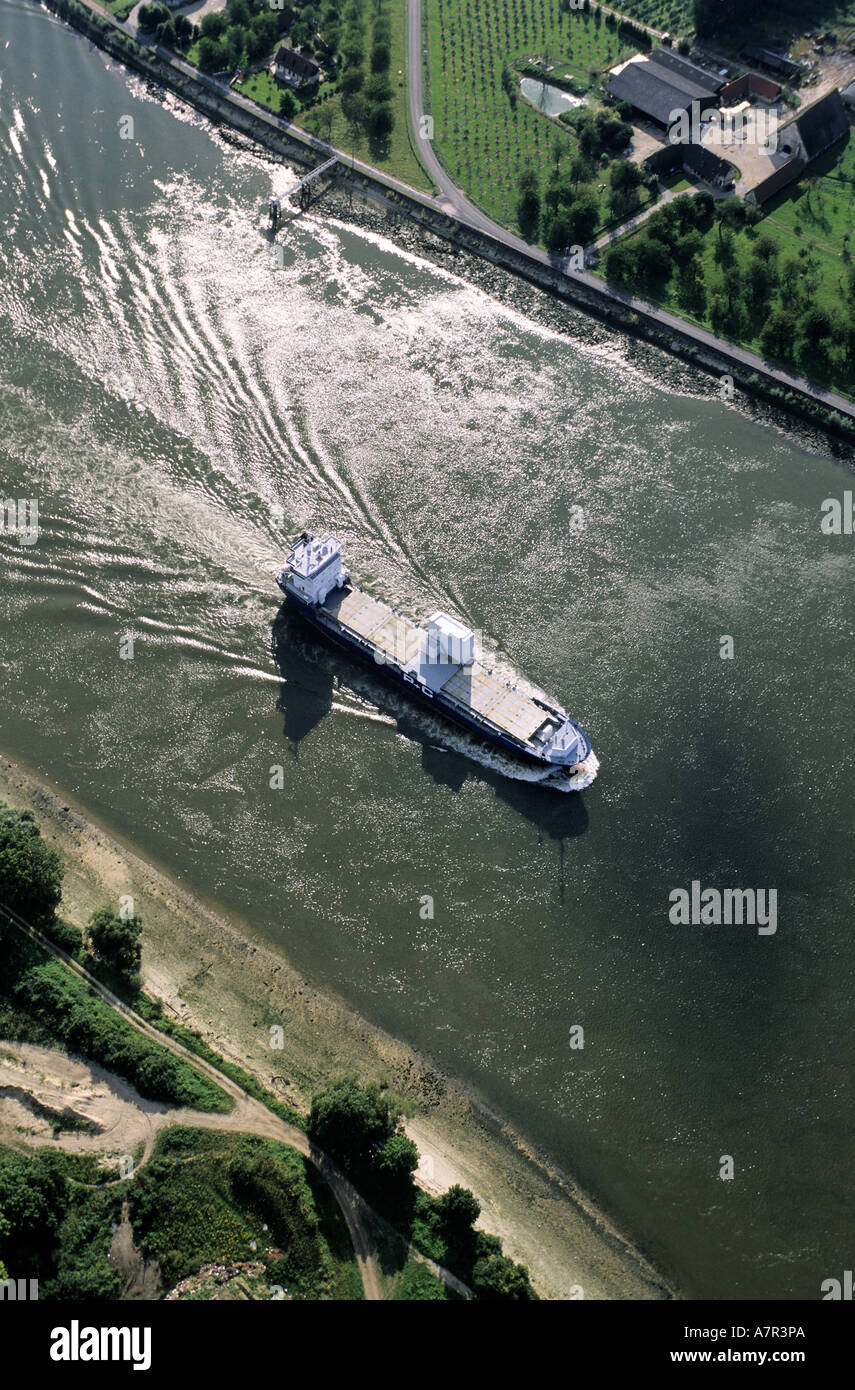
point(249, 1116)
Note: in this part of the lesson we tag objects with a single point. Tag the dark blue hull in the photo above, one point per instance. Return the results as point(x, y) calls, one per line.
point(428, 698)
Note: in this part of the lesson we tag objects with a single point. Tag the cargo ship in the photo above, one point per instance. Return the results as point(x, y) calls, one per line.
point(436, 664)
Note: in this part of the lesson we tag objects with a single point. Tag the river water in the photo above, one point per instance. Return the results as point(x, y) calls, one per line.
point(178, 408)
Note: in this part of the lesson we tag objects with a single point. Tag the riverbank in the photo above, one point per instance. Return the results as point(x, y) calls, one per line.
point(211, 974)
point(634, 317)
point(670, 370)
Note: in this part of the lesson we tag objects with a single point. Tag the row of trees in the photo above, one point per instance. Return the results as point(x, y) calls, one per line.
point(31, 885)
point(366, 96)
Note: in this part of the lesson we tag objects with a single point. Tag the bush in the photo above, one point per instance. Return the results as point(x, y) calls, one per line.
point(116, 940)
point(64, 935)
point(30, 872)
point(85, 1024)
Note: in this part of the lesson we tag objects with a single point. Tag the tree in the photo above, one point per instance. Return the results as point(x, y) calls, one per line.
point(528, 204)
point(556, 231)
point(779, 334)
point(703, 202)
point(262, 35)
point(183, 30)
point(351, 81)
point(398, 1159)
point(653, 264)
point(165, 33)
point(458, 1210)
point(583, 216)
point(717, 313)
point(691, 290)
point(381, 56)
point(378, 88)
point(686, 248)
point(301, 34)
point(116, 940)
point(354, 108)
point(625, 179)
point(816, 329)
point(766, 248)
point(287, 104)
point(213, 55)
point(353, 52)
point(380, 121)
point(214, 25)
point(30, 872)
point(760, 281)
point(580, 170)
point(620, 264)
point(351, 1121)
point(730, 215)
point(150, 16)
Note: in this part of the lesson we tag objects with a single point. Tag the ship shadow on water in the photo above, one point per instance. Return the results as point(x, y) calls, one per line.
point(311, 669)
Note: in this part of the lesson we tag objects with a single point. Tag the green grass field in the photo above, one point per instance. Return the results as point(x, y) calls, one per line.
point(326, 119)
point(482, 140)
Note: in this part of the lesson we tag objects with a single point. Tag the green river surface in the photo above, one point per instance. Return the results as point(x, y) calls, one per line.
point(179, 410)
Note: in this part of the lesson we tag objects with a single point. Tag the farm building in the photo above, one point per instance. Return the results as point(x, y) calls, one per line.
point(750, 84)
point(662, 86)
point(785, 68)
point(291, 67)
point(804, 139)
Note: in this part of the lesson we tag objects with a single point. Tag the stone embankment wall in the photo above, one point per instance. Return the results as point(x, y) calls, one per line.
point(594, 297)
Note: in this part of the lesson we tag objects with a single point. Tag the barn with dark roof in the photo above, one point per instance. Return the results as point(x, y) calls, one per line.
point(819, 127)
point(804, 139)
point(662, 85)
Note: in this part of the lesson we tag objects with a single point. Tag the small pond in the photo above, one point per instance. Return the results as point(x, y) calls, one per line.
point(551, 100)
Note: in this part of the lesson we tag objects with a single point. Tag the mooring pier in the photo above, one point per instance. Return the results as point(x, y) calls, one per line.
point(303, 189)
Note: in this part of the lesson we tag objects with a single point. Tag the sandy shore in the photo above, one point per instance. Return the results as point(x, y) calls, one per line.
point(211, 974)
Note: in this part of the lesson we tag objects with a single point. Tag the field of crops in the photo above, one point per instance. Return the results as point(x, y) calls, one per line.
point(483, 137)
